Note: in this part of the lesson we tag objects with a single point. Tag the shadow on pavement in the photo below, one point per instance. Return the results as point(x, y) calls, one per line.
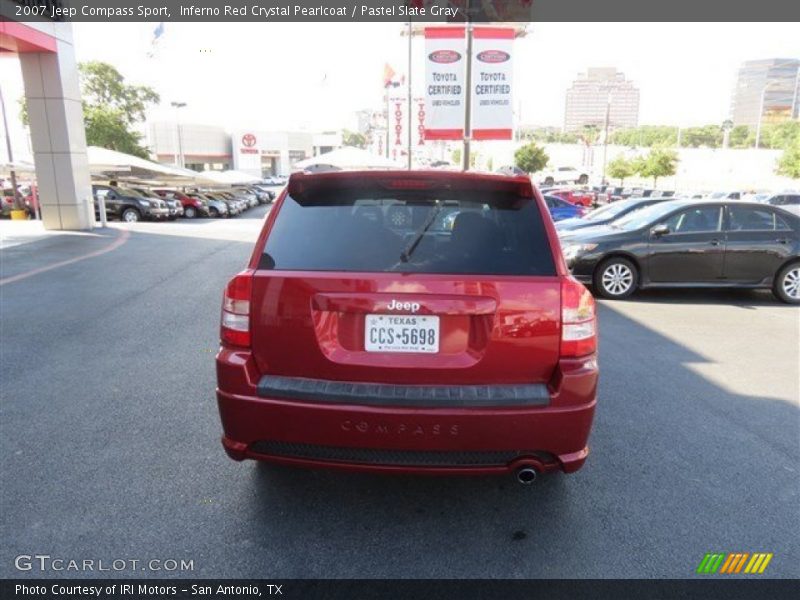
point(737, 297)
point(679, 467)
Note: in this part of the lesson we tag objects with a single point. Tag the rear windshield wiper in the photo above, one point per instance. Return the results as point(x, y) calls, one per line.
point(405, 255)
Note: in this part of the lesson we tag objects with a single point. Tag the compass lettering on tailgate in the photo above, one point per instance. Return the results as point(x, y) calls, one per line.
point(401, 429)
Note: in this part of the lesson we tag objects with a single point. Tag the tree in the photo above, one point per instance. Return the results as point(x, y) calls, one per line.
point(111, 108)
point(660, 162)
point(105, 128)
point(789, 163)
point(621, 168)
point(740, 137)
point(353, 138)
point(531, 158)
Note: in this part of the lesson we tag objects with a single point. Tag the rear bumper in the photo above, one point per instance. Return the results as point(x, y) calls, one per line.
point(456, 440)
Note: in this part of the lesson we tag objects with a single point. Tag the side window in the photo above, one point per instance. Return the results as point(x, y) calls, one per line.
point(751, 219)
point(792, 200)
point(695, 220)
point(550, 202)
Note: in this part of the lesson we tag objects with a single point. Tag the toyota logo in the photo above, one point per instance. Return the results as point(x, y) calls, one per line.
point(493, 56)
point(444, 56)
point(248, 140)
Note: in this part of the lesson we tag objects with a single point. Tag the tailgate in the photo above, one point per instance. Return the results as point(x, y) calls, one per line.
point(316, 325)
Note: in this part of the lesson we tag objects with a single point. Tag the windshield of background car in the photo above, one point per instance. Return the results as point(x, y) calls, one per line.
point(641, 218)
point(609, 211)
point(130, 192)
point(409, 231)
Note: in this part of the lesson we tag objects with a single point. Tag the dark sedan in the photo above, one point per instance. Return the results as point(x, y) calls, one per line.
point(605, 214)
point(690, 243)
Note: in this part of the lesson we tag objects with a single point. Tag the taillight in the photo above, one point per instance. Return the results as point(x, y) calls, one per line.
point(235, 321)
point(578, 320)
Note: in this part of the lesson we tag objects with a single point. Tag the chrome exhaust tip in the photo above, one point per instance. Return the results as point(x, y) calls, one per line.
point(526, 475)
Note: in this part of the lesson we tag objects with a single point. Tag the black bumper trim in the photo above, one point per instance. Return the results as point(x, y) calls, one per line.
point(383, 394)
point(405, 458)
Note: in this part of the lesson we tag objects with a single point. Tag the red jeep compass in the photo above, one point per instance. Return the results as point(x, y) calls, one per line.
point(408, 321)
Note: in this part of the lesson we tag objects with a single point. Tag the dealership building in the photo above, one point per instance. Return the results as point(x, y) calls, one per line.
point(261, 153)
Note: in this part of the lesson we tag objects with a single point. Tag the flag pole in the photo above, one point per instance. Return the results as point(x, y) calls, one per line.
point(410, 35)
point(468, 98)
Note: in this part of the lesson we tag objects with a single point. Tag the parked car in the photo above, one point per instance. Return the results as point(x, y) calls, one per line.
point(577, 197)
point(262, 196)
point(234, 207)
point(506, 170)
point(269, 192)
point(404, 347)
point(559, 175)
point(239, 203)
point(560, 209)
point(174, 205)
point(274, 180)
point(724, 196)
point(8, 202)
point(128, 205)
point(604, 215)
point(689, 243)
point(251, 198)
point(789, 201)
point(28, 196)
point(216, 208)
point(192, 207)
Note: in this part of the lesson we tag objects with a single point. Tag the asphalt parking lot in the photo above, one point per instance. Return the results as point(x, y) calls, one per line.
point(110, 437)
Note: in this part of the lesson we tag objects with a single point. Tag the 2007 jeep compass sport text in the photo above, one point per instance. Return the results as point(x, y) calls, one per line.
point(414, 321)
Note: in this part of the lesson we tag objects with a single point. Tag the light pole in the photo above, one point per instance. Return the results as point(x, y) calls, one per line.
point(764, 91)
point(179, 156)
point(768, 85)
point(410, 104)
point(605, 136)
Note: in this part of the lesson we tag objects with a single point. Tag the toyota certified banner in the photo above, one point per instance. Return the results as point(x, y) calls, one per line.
point(445, 59)
point(492, 117)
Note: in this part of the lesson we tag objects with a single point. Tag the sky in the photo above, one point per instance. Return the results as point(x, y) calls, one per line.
point(314, 76)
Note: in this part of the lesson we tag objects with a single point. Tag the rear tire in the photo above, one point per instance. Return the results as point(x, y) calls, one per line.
point(616, 278)
point(190, 212)
point(787, 284)
point(213, 213)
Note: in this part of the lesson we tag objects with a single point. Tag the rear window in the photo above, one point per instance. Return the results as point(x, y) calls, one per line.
point(409, 232)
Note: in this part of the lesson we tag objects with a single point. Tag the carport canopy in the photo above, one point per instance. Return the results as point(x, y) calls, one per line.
point(110, 164)
point(349, 157)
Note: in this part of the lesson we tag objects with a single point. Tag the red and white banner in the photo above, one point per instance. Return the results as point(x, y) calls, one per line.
point(445, 93)
point(398, 124)
point(492, 114)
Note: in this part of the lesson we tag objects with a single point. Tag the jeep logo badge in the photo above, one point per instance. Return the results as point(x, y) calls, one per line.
point(407, 306)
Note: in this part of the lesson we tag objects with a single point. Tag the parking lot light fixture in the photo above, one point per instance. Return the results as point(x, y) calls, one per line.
point(179, 161)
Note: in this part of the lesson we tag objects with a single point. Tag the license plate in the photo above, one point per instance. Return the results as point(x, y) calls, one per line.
point(401, 333)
